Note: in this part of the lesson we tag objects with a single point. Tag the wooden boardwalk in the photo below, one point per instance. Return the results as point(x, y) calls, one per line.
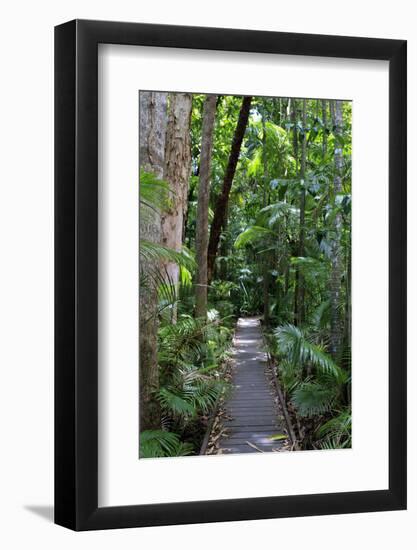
point(251, 413)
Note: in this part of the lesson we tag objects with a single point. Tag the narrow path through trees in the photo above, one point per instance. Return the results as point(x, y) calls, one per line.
point(251, 415)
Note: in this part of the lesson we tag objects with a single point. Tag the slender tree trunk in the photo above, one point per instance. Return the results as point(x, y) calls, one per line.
point(299, 292)
point(336, 256)
point(209, 114)
point(295, 152)
point(295, 133)
point(348, 312)
point(301, 282)
point(222, 201)
point(324, 119)
point(152, 124)
point(224, 250)
point(177, 171)
point(348, 271)
point(265, 267)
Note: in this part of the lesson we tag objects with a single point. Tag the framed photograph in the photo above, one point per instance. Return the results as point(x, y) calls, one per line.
point(230, 254)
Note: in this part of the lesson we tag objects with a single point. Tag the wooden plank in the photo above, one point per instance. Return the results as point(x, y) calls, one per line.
point(248, 416)
point(253, 424)
point(243, 441)
point(240, 449)
point(250, 410)
point(247, 432)
point(251, 420)
point(252, 394)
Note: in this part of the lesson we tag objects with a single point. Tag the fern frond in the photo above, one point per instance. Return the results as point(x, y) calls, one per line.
point(252, 235)
point(270, 215)
point(151, 252)
point(312, 399)
point(337, 427)
point(161, 443)
point(299, 350)
point(175, 404)
point(153, 191)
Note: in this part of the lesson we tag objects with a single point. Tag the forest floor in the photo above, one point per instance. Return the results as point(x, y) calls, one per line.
point(250, 418)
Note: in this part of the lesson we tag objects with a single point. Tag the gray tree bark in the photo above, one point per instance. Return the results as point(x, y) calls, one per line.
point(209, 114)
point(324, 120)
point(177, 171)
point(301, 282)
point(266, 256)
point(336, 333)
point(152, 131)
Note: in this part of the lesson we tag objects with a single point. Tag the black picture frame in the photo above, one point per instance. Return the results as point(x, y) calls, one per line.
point(76, 272)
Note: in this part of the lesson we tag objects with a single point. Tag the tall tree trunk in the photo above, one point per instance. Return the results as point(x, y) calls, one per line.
point(295, 133)
point(299, 292)
point(209, 114)
point(224, 251)
point(324, 120)
point(336, 256)
point(295, 152)
point(301, 282)
point(152, 125)
point(222, 201)
point(348, 315)
point(266, 265)
point(177, 171)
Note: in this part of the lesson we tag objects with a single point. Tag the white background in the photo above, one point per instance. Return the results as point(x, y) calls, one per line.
point(123, 479)
point(26, 122)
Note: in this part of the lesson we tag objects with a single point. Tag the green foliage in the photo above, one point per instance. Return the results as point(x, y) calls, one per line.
point(314, 383)
point(154, 252)
point(271, 215)
point(190, 393)
point(312, 398)
point(160, 443)
point(190, 353)
point(175, 402)
point(290, 375)
point(336, 432)
point(300, 351)
point(153, 193)
point(252, 235)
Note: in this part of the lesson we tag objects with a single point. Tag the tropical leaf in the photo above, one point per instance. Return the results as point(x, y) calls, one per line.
point(252, 235)
point(321, 316)
point(153, 191)
point(338, 427)
point(273, 213)
point(312, 398)
point(299, 350)
point(160, 443)
point(175, 403)
point(152, 252)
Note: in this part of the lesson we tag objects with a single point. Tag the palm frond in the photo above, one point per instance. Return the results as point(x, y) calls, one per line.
point(273, 213)
point(289, 375)
point(252, 235)
point(321, 316)
point(299, 350)
point(312, 398)
point(153, 191)
point(161, 443)
point(337, 428)
point(152, 252)
point(175, 404)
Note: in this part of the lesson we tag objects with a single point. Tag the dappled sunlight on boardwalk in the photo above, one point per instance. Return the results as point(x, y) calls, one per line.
point(251, 419)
